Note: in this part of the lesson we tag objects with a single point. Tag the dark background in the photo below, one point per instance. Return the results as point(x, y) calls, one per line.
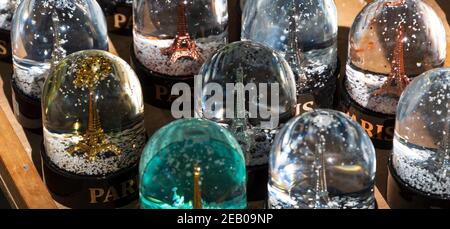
point(3, 203)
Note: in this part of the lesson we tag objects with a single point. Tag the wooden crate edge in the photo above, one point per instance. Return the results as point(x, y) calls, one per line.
point(19, 176)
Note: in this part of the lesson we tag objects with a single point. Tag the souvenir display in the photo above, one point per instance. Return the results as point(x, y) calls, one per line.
point(217, 104)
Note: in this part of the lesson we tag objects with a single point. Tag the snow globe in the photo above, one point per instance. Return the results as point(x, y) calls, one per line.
point(420, 164)
point(172, 39)
point(305, 33)
point(258, 89)
point(119, 15)
point(93, 131)
point(391, 42)
point(192, 164)
point(42, 33)
point(7, 8)
point(322, 160)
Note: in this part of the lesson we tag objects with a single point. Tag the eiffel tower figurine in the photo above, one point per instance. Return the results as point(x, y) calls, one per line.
point(397, 80)
point(94, 142)
point(239, 125)
point(183, 45)
point(58, 52)
point(293, 53)
point(322, 199)
point(197, 190)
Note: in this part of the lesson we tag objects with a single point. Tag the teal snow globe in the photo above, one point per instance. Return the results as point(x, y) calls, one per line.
point(193, 164)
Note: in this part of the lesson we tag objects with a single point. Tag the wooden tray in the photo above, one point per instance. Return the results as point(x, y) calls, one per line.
point(19, 149)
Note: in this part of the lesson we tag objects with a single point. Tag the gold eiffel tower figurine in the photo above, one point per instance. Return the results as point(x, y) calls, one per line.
point(197, 190)
point(397, 80)
point(88, 73)
point(183, 45)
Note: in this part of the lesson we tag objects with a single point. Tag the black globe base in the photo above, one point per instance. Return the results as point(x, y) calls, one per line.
point(402, 196)
point(116, 190)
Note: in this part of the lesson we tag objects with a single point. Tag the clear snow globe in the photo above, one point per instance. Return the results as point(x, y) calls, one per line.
point(175, 37)
point(322, 160)
point(45, 31)
point(93, 114)
point(304, 31)
point(258, 95)
point(7, 8)
point(421, 155)
point(193, 164)
point(391, 42)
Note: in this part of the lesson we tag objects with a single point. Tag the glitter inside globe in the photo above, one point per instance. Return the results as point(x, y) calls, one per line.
point(45, 31)
point(392, 41)
point(176, 37)
point(7, 8)
point(93, 114)
point(304, 31)
point(322, 160)
point(421, 156)
point(193, 163)
point(269, 89)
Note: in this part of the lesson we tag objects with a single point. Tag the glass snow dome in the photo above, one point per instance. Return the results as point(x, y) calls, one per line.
point(391, 42)
point(258, 94)
point(93, 114)
point(193, 164)
point(322, 160)
point(7, 8)
point(176, 37)
point(304, 31)
point(45, 31)
point(422, 143)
